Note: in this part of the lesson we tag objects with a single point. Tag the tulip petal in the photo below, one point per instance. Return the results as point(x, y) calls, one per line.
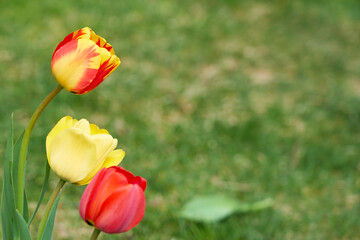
point(64, 123)
point(105, 144)
point(103, 184)
point(90, 193)
point(72, 155)
point(101, 42)
point(114, 158)
point(82, 33)
point(96, 130)
point(76, 64)
point(130, 202)
point(84, 126)
point(105, 69)
point(140, 181)
point(105, 55)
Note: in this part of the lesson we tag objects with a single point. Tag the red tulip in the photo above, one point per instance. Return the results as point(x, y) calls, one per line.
point(114, 201)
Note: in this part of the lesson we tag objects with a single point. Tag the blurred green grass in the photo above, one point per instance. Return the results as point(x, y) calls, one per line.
point(251, 99)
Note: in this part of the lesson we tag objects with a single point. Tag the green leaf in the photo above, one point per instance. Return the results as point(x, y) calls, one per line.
point(45, 185)
point(50, 222)
point(6, 227)
point(23, 227)
point(8, 214)
point(256, 206)
point(25, 207)
point(214, 208)
point(15, 167)
point(210, 208)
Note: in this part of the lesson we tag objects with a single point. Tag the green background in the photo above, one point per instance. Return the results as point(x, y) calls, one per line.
point(252, 99)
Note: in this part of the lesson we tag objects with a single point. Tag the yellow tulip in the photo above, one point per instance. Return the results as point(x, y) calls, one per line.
point(77, 150)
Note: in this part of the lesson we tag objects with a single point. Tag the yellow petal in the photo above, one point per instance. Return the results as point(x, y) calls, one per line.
point(64, 123)
point(73, 155)
point(96, 130)
point(114, 158)
point(105, 144)
point(84, 126)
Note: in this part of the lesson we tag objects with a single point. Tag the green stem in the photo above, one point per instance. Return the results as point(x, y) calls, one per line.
point(95, 234)
point(24, 146)
point(48, 208)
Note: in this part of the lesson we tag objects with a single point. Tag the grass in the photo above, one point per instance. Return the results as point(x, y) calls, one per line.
point(252, 99)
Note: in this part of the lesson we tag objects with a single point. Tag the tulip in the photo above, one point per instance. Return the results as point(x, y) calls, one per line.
point(77, 150)
point(82, 61)
point(114, 201)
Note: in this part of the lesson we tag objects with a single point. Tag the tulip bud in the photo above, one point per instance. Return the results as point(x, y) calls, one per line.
point(82, 61)
point(114, 200)
point(77, 150)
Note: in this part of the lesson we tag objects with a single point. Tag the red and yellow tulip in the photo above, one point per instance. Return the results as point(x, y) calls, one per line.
point(82, 61)
point(114, 200)
point(77, 150)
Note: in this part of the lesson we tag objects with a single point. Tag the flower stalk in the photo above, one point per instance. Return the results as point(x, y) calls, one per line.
point(24, 147)
point(95, 234)
point(48, 208)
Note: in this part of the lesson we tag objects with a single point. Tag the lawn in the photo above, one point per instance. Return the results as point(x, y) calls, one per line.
point(251, 99)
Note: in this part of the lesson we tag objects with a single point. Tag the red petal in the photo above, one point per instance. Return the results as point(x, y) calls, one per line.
point(90, 192)
point(129, 207)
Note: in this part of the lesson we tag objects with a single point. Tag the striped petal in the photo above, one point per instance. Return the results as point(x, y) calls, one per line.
point(82, 33)
point(101, 42)
point(104, 71)
point(76, 64)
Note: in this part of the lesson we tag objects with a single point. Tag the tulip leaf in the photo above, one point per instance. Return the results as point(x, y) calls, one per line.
point(23, 227)
point(50, 221)
point(44, 187)
point(15, 167)
point(214, 208)
point(8, 214)
point(26, 208)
